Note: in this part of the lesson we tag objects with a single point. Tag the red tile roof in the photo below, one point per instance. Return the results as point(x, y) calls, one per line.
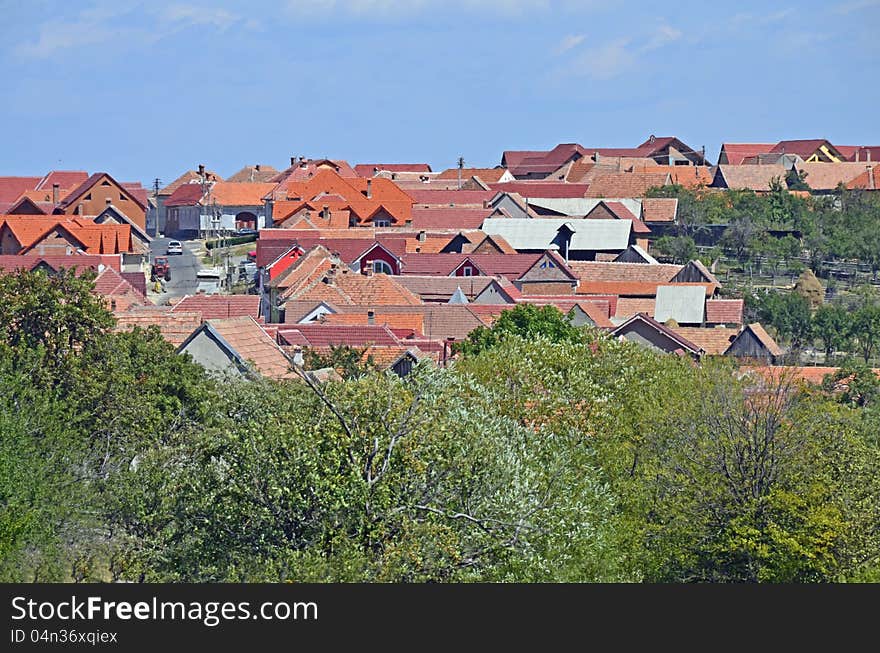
point(869, 179)
point(174, 327)
point(325, 335)
point(724, 311)
point(185, 195)
point(738, 152)
point(66, 179)
point(624, 272)
point(227, 193)
point(11, 188)
point(511, 266)
point(449, 217)
point(626, 184)
point(659, 209)
point(451, 197)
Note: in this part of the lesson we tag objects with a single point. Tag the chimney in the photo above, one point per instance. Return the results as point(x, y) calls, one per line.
point(257, 167)
point(870, 178)
point(55, 192)
point(422, 236)
point(868, 156)
point(371, 317)
point(201, 170)
point(292, 161)
point(368, 269)
point(369, 189)
point(857, 155)
point(109, 201)
point(80, 209)
point(325, 212)
point(596, 157)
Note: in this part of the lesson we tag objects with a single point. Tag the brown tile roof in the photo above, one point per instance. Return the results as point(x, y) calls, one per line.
point(174, 327)
point(252, 174)
point(511, 266)
point(869, 179)
point(486, 175)
point(596, 311)
point(828, 176)
point(811, 375)
point(752, 177)
point(388, 316)
point(440, 289)
point(227, 193)
point(350, 288)
point(253, 345)
point(66, 179)
point(714, 341)
point(626, 184)
point(542, 189)
point(641, 272)
point(440, 321)
point(219, 306)
point(190, 176)
point(307, 271)
point(659, 209)
point(629, 306)
point(724, 311)
point(369, 169)
point(632, 288)
point(327, 334)
point(687, 176)
point(111, 284)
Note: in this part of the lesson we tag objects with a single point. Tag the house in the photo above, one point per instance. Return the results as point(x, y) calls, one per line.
point(758, 178)
point(200, 177)
point(486, 175)
point(628, 184)
point(58, 234)
point(753, 342)
point(374, 169)
point(53, 263)
point(174, 327)
point(259, 173)
point(302, 169)
point(650, 333)
point(826, 177)
point(736, 153)
point(237, 347)
point(577, 239)
point(99, 190)
point(369, 202)
point(197, 210)
point(118, 292)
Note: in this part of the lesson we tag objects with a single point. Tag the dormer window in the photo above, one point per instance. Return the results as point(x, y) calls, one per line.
point(381, 222)
point(467, 271)
point(381, 267)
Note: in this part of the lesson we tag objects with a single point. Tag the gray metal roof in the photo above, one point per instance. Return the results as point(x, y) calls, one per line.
point(538, 233)
point(684, 304)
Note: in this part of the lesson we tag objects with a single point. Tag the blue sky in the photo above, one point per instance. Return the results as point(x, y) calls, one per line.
point(149, 89)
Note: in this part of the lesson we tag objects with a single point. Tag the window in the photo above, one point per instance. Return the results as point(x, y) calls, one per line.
point(381, 267)
point(467, 271)
point(547, 264)
point(122, 197)
point(381, 222)
point(88, 197)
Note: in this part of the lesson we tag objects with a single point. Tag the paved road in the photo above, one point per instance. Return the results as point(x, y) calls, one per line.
point(183, 271)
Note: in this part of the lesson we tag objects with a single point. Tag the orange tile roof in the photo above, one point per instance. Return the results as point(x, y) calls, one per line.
point(382, 315)
point(810, 375)
point(30, 230)
point(259, 174)
point(384, 194)
point(190, 176)
point(724, 311)
point(714, 341)
point(828, 176)
point(251, 342)
point(752, 177)
point(227, 193)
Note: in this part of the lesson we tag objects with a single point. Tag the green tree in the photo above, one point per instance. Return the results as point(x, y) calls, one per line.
point(681, 248)
point(525, 321)
point(831, 326)
point(865, 329)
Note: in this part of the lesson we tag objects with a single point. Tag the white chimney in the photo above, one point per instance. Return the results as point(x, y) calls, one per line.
point(369, 189)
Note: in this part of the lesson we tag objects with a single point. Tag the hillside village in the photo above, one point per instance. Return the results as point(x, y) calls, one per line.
point(401, 262)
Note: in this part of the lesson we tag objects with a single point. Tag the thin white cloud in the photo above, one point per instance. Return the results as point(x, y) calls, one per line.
point(405, 8)
point(857, 5)
point(615, 57)
point(569, 42)
point(122, 23)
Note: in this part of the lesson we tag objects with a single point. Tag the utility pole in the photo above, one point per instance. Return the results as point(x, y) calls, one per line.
point(460, 168)
point(156, 183)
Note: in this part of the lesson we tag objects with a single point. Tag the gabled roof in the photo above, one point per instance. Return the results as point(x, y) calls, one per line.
point(686, 345)
point(80, 262)
point(803, 148)
point(30, 230)
point(444, 217)
point(441, 288)
point(530, 189)
point(659, 209)
point(511, 266)
point(540, 233)
point(751, 177)
point(450, 198)
point(684, 304)
point(219, 306)
point(736, 153)
point(326, 335)
point(190, 176)
point(254, 174)
point(714, 341)
point(248, 344)
point(90, 183)
point(350, 288)
point(111, 283)
point(370, 169)
point(863, 153)
point(66, 179)
point(763, 337)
